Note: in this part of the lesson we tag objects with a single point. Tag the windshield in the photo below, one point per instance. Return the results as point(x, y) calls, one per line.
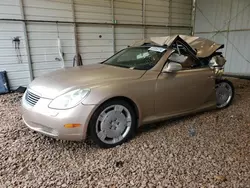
point(142, 58)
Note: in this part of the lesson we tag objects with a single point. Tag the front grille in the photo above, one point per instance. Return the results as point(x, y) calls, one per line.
point(32, 98)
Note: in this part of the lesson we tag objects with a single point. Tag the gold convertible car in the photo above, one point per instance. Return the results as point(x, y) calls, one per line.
point(154, 79)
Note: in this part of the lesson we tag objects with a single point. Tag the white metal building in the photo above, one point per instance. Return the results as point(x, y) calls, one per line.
point(98, 28)
point(94, 28)
point(232, 19)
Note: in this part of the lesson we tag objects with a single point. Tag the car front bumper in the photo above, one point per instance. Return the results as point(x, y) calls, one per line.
point(50, 122)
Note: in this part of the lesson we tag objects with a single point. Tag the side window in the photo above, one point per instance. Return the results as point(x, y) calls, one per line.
point(181, 55)
point(186, 61)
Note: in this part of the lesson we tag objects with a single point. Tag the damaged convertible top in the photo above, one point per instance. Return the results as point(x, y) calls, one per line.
point(201, 47)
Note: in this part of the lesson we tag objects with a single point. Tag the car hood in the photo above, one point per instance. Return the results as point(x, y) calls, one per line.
point(58, 82)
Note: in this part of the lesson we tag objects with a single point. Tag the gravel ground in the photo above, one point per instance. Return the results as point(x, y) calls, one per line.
point(162, 155)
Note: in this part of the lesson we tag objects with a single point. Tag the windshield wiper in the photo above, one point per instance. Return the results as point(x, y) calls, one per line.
point(116, 65)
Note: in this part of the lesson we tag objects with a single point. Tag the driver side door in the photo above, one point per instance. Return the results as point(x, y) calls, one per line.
point(186, 90)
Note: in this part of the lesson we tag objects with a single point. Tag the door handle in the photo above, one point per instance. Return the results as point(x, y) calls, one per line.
point(213, 77)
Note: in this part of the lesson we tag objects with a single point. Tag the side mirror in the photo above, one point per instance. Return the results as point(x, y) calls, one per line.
point(172, 67)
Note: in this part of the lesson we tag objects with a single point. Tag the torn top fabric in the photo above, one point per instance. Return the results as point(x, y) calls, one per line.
point(202, 47)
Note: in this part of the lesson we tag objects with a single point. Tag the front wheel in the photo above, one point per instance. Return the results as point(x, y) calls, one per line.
point(224, 93)
point(112, 124)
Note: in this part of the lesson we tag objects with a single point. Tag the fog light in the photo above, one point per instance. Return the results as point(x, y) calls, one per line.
point(72, 125)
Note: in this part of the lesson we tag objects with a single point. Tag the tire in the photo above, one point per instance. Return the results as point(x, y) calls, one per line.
point(112, 124)
point(226, 88)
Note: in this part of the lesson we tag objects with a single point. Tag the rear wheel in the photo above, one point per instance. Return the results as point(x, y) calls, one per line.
point(112, 124)
point(224, 93)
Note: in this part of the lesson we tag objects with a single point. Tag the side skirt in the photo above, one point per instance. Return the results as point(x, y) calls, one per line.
point(153, 119)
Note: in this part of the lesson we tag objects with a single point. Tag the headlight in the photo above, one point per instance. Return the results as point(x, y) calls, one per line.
point(69, 100)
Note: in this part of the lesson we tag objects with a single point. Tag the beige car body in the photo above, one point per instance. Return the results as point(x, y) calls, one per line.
point(154, 94)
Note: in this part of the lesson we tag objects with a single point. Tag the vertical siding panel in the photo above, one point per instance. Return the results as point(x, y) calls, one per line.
point(95, 42)
point(93, 11)
point(18, 72)
point(162, 12)
point(126, 36)
point(219, 14)
point(126, 12)
point(43, 36)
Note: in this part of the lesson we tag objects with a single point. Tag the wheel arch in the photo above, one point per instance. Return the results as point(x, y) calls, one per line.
point(128, 100)
point(218, 81)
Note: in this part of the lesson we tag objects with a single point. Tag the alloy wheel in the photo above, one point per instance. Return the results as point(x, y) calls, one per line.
point(113, 124)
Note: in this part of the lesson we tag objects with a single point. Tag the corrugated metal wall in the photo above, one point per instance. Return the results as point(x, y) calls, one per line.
point(17, 72)
point(214, 15)
point(94, 42)
point(43, 37)
point(128, 12)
